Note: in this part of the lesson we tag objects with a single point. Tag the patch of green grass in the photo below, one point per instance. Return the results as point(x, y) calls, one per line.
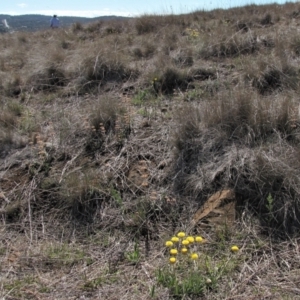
point(115, 194)
point(106, 278)
point(144, 112)
point(192, 284)
point(93, 284)
point(192, 95)
point(135, 255)
point(28, 122)
point(15, 107)
point(140, 98)
point(17, 288)
point(66, 255)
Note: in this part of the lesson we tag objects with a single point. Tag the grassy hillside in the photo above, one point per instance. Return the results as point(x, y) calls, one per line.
point(116, 135)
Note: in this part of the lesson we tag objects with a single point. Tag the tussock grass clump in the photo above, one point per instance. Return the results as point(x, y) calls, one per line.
point(147, 50)
point(184, 58)
point(77, 26)
point(7, 142)
point(243, 26)
point(235, 142)
point(274, 78)
point(49, 78)
point(170, 80)
point(203, 74)
point(99, 70)
point(81, 198)
point(239, 44)
point(295, 45)
point(14, 88)
point(94, 27)
point(108, 121)
point(266, 20)
point(9, 123)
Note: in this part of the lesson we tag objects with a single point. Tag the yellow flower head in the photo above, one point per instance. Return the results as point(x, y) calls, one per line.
point(185, 242)
point(184, 250)
point(181, 234)
point(194, 256)
point(173, 251)
point(198, 239)
point(190, 239)
point(172, 260)
point(235, 248)
point(169, 244)
point(175, 239)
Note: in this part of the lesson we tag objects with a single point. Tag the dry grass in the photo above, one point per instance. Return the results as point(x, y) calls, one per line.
point(113, 134)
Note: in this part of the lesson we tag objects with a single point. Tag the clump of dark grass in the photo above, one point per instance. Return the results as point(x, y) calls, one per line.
point(170, 80)
point(109, 121)
point(47, 79)
point(203, 74)
point(99, 70)
point(82, 199)
point(77, 26)
point(243, 26)
point(295, 45)
point(240, 44)
point(273, 79)
point(14, 88)
point(237, 141)
point(266, 20)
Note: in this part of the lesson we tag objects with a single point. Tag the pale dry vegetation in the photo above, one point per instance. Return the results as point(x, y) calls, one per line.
point(113, 134)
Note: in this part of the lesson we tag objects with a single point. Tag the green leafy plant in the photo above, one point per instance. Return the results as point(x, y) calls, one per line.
point(190, 272)
point(270, 203)
point(135, 255)
point(116, 196)
point(140, 98)
point(270, 208)
point(191, 285)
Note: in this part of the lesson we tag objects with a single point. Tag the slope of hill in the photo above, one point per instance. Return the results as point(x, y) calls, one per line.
point(116, 135)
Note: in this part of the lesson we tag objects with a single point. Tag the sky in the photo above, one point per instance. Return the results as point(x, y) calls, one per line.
point(131, 8)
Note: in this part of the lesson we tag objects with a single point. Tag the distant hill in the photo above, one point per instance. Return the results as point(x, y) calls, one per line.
point(38, 22)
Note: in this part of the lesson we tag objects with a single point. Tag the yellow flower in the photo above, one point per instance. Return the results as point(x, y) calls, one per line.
point(194, 256)
point(173, 251)
point(184, 250)
point(198, 239)
point(172, 260)
point(235, 248)
point(175, 239)
point(190, 239)
point(169, 244)
point(181, 234)
point(185, 242)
